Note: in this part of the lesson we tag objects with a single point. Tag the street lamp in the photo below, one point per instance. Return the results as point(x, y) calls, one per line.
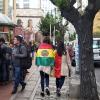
point(50, 25)
point(54, 27)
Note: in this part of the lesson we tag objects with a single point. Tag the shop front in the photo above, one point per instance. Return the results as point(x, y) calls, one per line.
point(6, 27)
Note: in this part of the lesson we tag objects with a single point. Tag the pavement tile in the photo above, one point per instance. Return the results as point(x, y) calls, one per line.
point(24, 94)
point(53, 96)
point(29, 87)
point(22, 99)
point(5, 91)
point(33, 89)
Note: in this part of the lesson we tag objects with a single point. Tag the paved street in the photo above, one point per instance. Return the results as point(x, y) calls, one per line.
point(32, 90)
point(5, 91)
point(53, 96)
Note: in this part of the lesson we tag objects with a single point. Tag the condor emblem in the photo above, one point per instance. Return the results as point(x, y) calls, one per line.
point(45, 53)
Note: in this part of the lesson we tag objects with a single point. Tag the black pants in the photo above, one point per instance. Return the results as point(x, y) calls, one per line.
point(60, 82)
point(4, 71)
point(44, 80)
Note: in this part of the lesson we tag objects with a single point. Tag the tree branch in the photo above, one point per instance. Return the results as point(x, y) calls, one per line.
point(53, 1)
point(72, 15)
point(72, 2)
point(92, 8)
point(69, 12)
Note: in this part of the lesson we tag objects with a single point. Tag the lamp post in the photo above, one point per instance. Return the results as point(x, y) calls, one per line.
point(50, 30)
point(50, 26)
point(54, 28)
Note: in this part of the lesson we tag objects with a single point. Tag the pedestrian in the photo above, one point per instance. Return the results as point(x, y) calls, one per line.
point(16, 60)
point(4, 66)
point(71, 51)
point(33, 49)
point(62, 66)
point(45, 60)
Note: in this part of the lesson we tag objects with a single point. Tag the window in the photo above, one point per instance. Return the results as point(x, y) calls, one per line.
point(26, 5)
point(1, 29)
point(17, 5)
point(96, 44)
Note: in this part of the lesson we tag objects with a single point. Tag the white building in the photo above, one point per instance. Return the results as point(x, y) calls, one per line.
point(1, 6)
point(48, 7)
point(29, 9)
point(28, 3)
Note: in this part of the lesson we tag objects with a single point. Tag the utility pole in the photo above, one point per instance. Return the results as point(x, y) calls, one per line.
point(14, 10)
point(54, 28)
point(50, 26)
point(50, 30)
point(5, 9)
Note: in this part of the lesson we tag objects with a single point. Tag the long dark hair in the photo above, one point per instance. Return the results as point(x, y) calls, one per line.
point(47, 40)
point(60, 48)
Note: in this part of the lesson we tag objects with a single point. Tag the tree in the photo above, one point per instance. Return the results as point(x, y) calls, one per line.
point(56, 21)
point(83, 23)
point(44, 25)
point(60, 27)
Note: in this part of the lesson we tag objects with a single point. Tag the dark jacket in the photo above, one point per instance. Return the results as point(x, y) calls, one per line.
point(17, 55)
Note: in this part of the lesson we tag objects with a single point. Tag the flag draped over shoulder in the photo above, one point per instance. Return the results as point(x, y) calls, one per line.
point(45, 55)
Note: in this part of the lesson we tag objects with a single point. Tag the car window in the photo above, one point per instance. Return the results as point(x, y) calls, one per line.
point(96, 44)
point(99, 43)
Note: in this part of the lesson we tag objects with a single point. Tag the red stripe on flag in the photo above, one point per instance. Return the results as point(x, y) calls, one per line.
point(45, 46)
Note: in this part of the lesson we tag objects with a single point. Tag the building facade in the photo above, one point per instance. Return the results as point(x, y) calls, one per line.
point(31, 10)
point(48, 7)
point(6, 17)
point(96, 26)
point(1, 6)
point(30, 13)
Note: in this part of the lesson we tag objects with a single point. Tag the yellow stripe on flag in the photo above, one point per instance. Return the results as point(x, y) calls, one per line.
point(45, 53)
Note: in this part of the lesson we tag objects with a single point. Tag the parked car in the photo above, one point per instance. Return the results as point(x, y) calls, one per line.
point(96, 50)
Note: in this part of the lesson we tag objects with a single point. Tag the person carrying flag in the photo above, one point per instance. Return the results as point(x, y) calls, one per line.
point(45, 60)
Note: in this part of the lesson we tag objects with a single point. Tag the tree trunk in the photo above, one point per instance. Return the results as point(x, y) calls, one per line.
point(84, 25)
point(87, 74)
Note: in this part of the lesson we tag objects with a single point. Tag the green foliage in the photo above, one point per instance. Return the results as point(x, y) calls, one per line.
point(62, 3)
point(44, 25)
point(60, 27)
point(72, 37)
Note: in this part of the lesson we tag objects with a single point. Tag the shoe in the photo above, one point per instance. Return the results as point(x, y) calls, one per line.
point(42, 94)
point(23, 86)
point(58, 92)
point(47, 91)
point(14, 91)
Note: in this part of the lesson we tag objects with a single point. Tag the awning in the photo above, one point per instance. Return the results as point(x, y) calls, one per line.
point(5, 20)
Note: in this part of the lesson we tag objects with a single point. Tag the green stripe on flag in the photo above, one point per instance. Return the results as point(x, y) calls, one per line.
point(44, 61)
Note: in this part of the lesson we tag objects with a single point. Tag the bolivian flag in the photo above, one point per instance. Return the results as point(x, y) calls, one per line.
point(45, 55)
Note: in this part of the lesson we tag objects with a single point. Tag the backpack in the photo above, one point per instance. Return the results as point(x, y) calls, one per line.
point(26, 62)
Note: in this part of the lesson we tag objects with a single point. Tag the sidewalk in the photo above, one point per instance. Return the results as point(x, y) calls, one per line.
point(32, 90)
point(31, 80)
point(5, 91)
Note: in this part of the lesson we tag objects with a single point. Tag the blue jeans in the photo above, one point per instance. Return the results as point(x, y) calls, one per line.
point(44, 80)
point(18, 74)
